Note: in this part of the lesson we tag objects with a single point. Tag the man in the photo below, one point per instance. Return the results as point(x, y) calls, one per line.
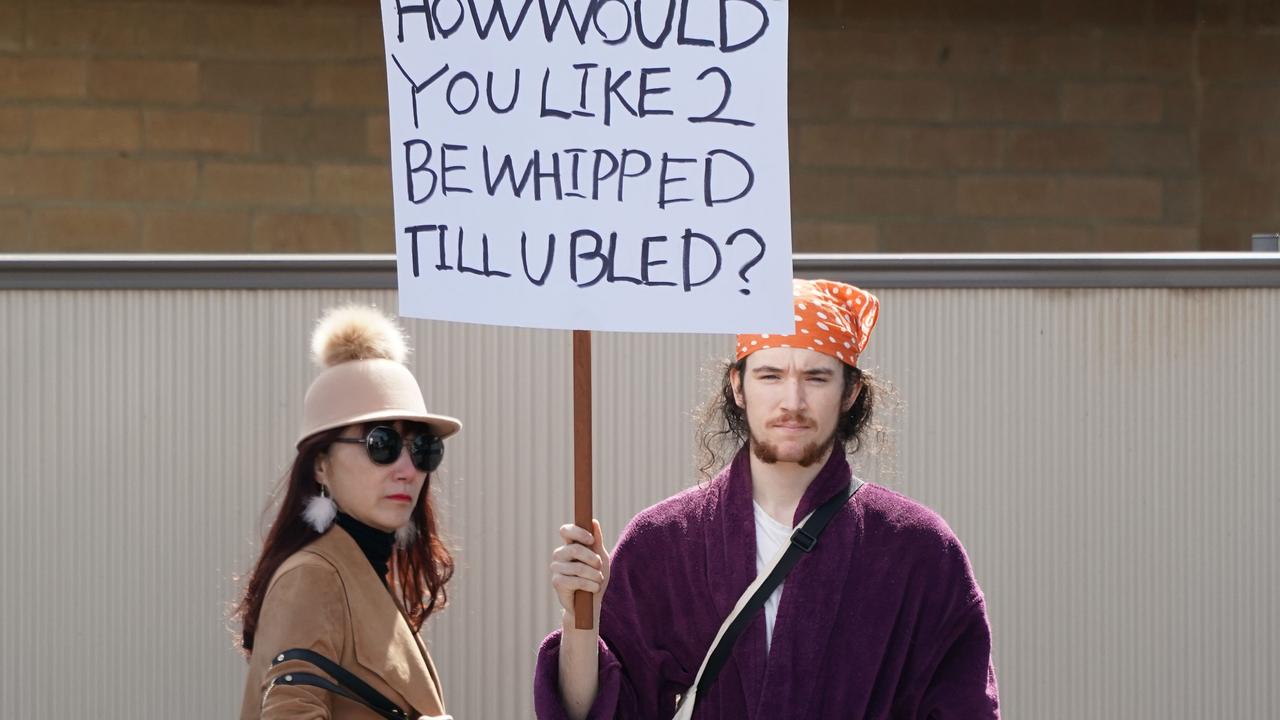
point(883, 619)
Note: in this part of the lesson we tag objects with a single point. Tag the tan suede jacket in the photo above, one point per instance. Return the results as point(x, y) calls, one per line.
point(327, 598)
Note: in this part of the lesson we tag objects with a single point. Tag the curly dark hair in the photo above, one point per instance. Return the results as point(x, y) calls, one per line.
point(723, 429)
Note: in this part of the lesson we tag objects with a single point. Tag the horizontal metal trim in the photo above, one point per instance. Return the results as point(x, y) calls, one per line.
point(1111, 270)
point(1144, 270)
point(185, 272)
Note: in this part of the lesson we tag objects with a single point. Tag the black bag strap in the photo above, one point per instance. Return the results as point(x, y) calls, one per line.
point(304, 678)
point(803, 540)
point(347, 684)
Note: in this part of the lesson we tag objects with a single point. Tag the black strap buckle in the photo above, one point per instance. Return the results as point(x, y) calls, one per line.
point(803, 540)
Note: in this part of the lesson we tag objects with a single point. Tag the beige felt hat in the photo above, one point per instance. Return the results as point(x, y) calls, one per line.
point(364, 379)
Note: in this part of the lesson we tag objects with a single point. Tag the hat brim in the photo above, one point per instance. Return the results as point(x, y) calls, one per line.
point(442, 425)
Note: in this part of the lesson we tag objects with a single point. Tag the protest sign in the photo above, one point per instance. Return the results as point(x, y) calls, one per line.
point(591, 164)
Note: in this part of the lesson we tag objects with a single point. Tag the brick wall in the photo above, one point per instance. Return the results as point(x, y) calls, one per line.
point(1015, 125)
point(917, 125)
point(193, 126)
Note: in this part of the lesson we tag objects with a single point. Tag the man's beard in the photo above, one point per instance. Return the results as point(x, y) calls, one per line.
point(813, 452)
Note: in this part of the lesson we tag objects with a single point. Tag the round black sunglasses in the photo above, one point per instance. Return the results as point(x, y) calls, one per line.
point(383, 445)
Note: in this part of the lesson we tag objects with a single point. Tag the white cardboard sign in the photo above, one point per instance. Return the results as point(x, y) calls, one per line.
point(591, 164)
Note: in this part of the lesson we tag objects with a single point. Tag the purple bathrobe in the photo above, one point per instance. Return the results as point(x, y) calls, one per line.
point(882, 620)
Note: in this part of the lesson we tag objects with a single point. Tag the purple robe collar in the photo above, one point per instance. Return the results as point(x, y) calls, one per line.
point(811, 592)
point(834, 476)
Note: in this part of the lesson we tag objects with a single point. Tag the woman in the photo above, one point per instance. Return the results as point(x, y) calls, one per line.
point(352, 566)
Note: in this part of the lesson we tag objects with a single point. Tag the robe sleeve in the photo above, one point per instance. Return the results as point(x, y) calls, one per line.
point(638, 678)
point(547, 702)
point(963, 686)
point(304, 608)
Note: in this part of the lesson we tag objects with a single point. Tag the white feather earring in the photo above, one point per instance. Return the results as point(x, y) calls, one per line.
point(320, 511)
point(406, 535)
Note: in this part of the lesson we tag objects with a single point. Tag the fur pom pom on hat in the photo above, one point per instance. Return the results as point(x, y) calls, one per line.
point(364, 378)
point(357, 332)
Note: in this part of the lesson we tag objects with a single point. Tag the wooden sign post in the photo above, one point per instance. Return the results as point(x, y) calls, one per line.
point(583, 611)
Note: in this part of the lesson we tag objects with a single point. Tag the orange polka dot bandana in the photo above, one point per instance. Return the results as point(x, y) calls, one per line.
point(831, 317)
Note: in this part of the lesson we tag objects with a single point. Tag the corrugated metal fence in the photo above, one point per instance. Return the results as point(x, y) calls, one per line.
point(1108, 456)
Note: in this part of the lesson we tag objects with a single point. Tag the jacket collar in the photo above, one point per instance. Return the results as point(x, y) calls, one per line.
point(384, 643)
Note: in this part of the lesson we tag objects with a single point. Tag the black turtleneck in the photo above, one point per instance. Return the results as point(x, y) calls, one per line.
point(375, 543)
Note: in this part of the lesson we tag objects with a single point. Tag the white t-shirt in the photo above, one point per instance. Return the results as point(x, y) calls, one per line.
point(770, 535)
